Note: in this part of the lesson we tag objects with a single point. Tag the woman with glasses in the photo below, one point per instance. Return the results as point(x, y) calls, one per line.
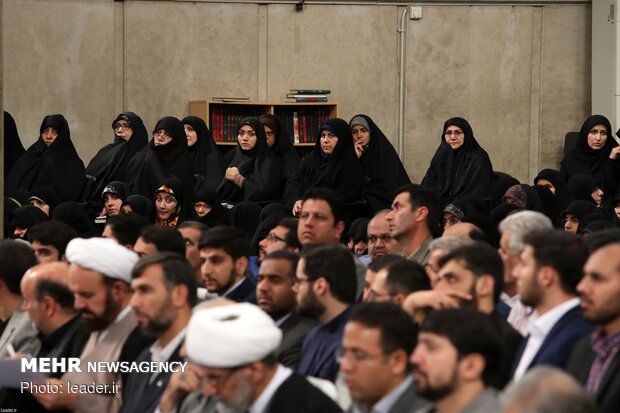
point(110, 163)
point(383, 170)
point(460, 167)
point(165, 156)
point(207, 160)
point(51, 161)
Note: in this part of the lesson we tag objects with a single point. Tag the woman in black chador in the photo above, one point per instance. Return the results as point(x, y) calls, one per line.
point(383, 170)
point(207, 160)
point(333, 164)
point(166, 155)
point(111, 162)
point(51, 161)
point(460, 167)
point(254, 172)
point(279, 141)
point(13, 148)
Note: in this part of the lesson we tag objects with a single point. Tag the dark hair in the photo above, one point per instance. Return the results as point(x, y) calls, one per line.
point(287, 255)
point(405, 277)
point(334, 199)
point(563, 251)
point(177, 271)
point(57, 291)
point(16, 258)
point(420, 196)
point(480, 259)
point(383, 262)
point(291, 239)
point(398, 331)
point(469, 331)
point(55, 233)
point(193, 224)
point(126, 228)
point(336, 265)
point(164, 238)
point(602, 239)
point(231, 239)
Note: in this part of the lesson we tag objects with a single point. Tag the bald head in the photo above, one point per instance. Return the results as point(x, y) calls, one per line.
point(47, 297)
point(461, 229)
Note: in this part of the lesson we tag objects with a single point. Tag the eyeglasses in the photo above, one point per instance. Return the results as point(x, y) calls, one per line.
point(354, 356)
point(161, 133)
point(218, 380)
point(123, 126)
point(383, 237)
point(272, 237)
point(455, 133)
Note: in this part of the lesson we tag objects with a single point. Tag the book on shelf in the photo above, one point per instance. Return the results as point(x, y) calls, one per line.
point(230, 99)
point(295, 127)
point(305, 100)
point(305, 96)
point(311, 91)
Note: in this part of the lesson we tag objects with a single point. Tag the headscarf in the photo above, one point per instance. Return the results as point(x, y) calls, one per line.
point(580, 187)
point(562, 198)
point(153, 164)
point(13, 147)
point(283, 147)
point(74, 215)
point(259, 166)
point(340, 171)
point(58, 166)
point(207, 160)
point(465, 171)
point(584, 159)
point(174, 187)
point(27, 216)
point(111, 162)
point(218, 214)
point(141, 205)
point(383, 170)
point(45, 194)
point(579, 209)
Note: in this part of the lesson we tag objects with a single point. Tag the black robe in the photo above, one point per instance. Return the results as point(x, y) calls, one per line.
point(582, 159)
point(383, 170)
point(207, 160)
point(465, 171)
point(260, 168)
point(340, 171)
point(110, 163)
point(561, 196)
point(13, 147)
point(153, 164)
point(283, 147)
point(58, 166)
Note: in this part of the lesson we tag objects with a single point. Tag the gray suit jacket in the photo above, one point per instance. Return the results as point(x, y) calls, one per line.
point(486, 402)
point(20, 333)
point(407, 402)
point(294, 330)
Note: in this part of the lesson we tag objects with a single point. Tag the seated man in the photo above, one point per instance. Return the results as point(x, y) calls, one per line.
point(49, 240)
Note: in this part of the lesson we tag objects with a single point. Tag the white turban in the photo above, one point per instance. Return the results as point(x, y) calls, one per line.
point(231, 335)
point(103, 255)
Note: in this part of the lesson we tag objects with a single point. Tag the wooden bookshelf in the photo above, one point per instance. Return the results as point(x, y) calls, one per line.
point(302, 120)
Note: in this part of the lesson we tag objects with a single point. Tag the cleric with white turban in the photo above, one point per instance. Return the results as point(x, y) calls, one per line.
point(102, 255)
point(231, 336)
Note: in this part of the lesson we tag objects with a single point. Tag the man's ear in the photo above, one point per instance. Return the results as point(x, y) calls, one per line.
point(339, 230)
point(421, 213)
point(472, 366)
point(241, 264)
point(485, 286)
point(320, 286)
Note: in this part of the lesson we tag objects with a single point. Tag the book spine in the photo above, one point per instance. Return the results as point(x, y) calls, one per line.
point(312, 91)
point(296, 127)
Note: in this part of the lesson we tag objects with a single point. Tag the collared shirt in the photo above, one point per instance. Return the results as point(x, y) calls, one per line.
point(606, 349)
point(519, 316)
point(282, 319)
point(538, 329)
point(421, 254)
point(262, 402)
point(124, 313)
point(162, 354)
point(388, 401)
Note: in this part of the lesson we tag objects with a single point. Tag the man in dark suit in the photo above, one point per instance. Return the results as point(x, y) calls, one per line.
point(164, 286)
point(549, 269)
point(374, 359)
point(235, 347)
point(224, 252)
point(595, 361)
point(276, 297)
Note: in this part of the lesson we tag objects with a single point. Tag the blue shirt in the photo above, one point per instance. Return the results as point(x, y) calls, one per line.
point(318, 353)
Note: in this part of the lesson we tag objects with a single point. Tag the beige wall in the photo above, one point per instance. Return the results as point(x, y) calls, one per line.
point(521, 74)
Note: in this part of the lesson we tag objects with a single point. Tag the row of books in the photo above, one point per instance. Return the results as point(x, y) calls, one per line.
point(307, 95)
point(303, 123)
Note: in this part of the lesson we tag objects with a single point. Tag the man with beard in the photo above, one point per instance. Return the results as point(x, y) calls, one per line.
point(380, 241)
point(413, 220)
point(275, 296)
point(326, 287)
point(374, 359)
point(549, 269)
point(595, 361)
point(235, 347)
point(455, 361)
point(99, 277)
point(470, 276)
point(164, 292)
point(224, 252)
